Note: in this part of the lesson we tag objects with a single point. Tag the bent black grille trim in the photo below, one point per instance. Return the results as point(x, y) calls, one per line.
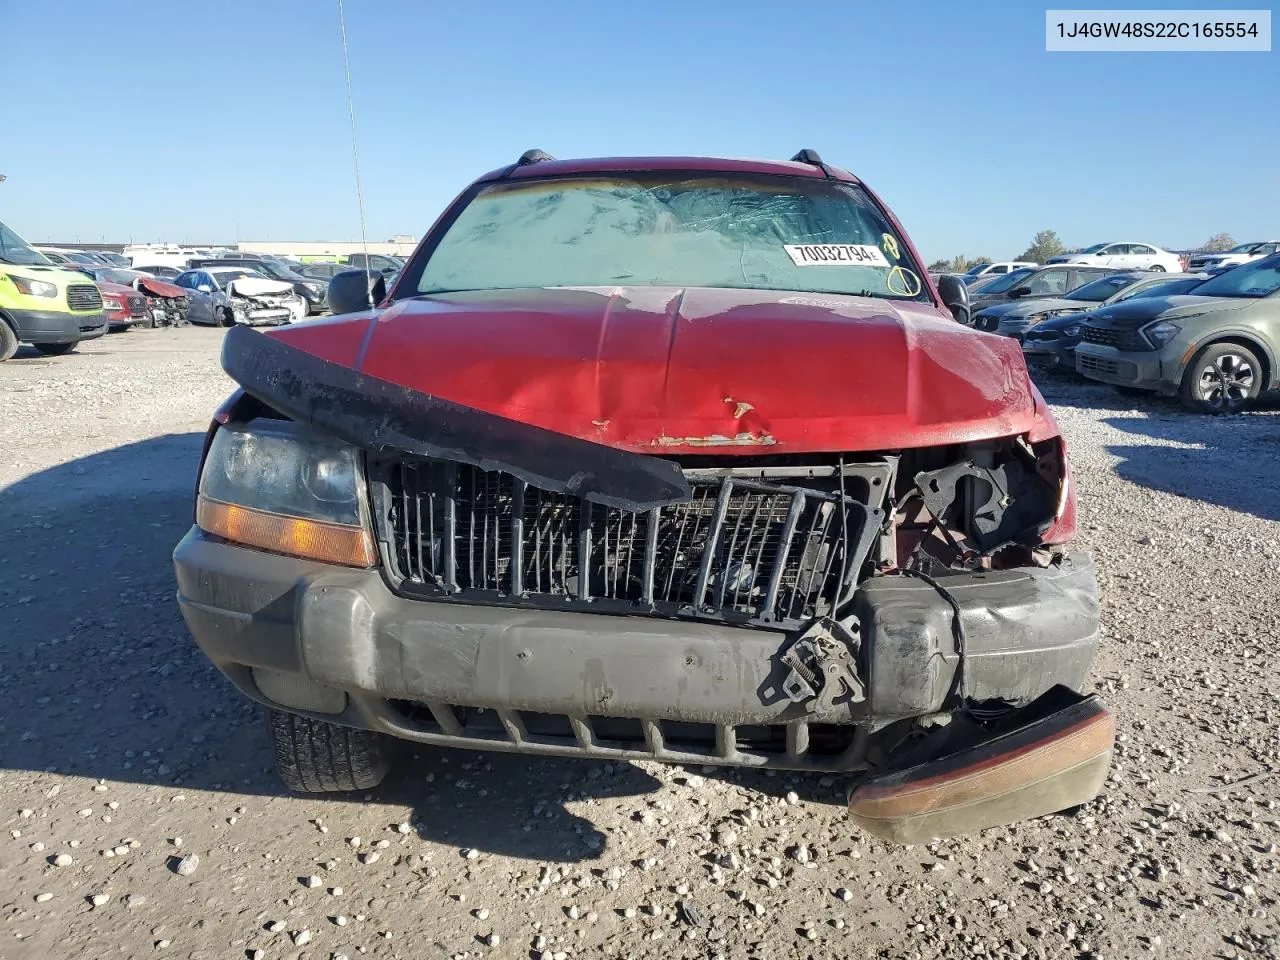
point(745, 548)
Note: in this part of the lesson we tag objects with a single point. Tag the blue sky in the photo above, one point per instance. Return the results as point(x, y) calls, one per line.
point(206, 122)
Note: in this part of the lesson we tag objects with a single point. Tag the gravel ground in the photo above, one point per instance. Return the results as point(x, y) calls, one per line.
point(141, 816)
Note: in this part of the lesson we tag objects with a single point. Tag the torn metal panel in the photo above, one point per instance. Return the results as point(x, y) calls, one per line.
point(382, 417)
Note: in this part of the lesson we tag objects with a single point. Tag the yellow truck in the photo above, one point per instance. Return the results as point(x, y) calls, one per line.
point(48, 307)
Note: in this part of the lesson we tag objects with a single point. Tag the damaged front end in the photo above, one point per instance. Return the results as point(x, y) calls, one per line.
point(259, 302)
point(166, 302)
point(909, 613)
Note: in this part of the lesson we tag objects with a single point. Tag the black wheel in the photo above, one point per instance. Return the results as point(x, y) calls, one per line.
point(1156, 268)
point(225, 319)
point(54, 349)
point(317, 757)
point(1223, 378)
point(8, 342)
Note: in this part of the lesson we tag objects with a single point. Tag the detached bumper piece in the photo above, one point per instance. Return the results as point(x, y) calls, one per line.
point(1048, 756)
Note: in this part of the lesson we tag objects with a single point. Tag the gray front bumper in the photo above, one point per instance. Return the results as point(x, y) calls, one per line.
point(623, 686)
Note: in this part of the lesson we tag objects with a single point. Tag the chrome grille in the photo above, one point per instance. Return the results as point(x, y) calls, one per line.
point(84, 296)
point(742, 548)
point(137, 306)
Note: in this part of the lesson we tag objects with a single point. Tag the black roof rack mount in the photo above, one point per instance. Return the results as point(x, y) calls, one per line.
point(811, 157)
point(533, 156)
point(808, 156)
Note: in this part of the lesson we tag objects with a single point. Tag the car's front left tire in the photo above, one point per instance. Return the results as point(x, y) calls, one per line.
point(1222, 378)
point(313, 756)
point(8, 342)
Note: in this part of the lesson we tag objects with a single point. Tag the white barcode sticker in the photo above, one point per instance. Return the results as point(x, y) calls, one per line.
point(835, 255)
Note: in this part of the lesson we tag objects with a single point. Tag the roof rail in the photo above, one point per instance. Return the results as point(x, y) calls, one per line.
point(533, 156)
point(811, 157)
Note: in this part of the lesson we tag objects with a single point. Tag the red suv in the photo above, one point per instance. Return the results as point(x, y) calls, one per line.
point(663, 458)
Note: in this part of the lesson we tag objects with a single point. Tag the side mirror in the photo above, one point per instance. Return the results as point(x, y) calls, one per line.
point(955, 297)
point(1017, 292)
point(351, 291)
point(205, 288)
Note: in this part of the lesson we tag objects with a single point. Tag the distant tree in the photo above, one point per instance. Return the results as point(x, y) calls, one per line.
point(957, 264)
point(1219, 241)
point(1045, 245)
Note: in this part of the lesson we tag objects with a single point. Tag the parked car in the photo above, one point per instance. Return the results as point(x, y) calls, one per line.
point(1215, 348)
point(321, 270)
point(312, 291)
point(663, 527)
point(1046, 281)
point(1015, 318)
point(376, 262)
point(65, 256)
point(985, 270)
point(1124, 256)
point(167, 273)
point(125, 306)
point(43, 304)
point(225, 296)
point(166, 302)
point(1053, 342)
point(1241, 253)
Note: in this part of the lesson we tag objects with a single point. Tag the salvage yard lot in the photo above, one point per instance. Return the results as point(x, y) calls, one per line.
point(117, 737)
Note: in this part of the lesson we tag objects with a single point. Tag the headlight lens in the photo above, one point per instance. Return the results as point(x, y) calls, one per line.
point(317, 288)
point(111, 304)
point(1161, 332)
point(275, 487)
point(34, 288)
point(1071, 331)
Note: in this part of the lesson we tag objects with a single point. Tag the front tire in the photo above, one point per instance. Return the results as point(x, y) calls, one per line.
point(54, 349)
point(8, 342)
point(1223, 378)
point(1156, 268)
point(313, 756)
point(225, 318)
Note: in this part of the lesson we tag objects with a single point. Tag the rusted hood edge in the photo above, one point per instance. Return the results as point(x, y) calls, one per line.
point(384, 417)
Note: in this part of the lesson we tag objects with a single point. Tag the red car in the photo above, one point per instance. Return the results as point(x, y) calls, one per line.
point(125, 306)
point(166, 303)
point(665, 458)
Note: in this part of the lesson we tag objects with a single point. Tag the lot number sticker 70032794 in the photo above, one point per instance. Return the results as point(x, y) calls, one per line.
point(835, 255)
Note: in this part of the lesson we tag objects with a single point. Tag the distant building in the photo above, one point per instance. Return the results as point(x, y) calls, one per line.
point(328, 249)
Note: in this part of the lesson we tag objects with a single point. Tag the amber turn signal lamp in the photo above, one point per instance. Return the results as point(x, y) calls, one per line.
point(293, 536)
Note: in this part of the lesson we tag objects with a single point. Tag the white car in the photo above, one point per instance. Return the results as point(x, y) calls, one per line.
point(985, 271)
point(1124, 256)
point(225, 295)
point(1242, 253)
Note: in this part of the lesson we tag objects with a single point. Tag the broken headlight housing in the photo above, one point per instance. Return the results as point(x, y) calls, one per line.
point(274, 486)
point(1160, 332)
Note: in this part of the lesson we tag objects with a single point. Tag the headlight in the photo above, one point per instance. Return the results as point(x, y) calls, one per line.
point(1071, 331)
point(34, 288)
point(111, 304)
point(1161, 332)
point(275, 487)
point(317, 288)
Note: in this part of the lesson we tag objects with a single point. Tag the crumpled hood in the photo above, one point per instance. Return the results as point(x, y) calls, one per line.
point(656, 369)
point(159, 288)
point(259, 287)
